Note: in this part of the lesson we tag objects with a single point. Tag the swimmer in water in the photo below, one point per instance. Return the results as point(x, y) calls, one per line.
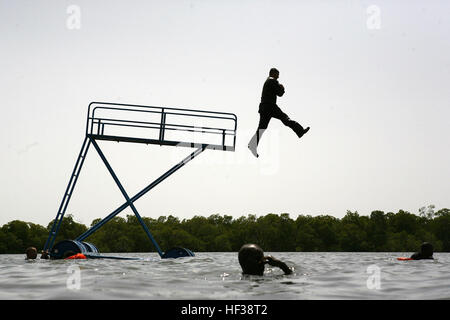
point(252, 260)
point(31, 253)
point(426, 252)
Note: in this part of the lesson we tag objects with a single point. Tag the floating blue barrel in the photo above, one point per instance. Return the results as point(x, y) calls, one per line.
point(75, 246)
point(177, 252)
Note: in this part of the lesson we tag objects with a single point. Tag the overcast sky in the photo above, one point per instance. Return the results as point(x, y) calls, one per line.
point(371, 79)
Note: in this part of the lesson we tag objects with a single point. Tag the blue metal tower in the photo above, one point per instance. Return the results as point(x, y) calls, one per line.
point(149, 125)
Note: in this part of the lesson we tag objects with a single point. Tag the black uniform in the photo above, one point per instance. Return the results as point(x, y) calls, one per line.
point(269, 109)
point(420, 256)
point(426, 252)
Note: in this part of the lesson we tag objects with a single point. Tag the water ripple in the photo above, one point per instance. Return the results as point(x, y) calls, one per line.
point(218, 276)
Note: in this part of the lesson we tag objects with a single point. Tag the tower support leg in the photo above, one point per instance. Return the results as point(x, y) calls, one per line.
point(179, 165)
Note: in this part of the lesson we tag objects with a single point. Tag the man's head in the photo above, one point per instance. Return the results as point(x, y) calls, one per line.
point(274, 73)
point(31, 253)
point(251, 259)
point(426, 249)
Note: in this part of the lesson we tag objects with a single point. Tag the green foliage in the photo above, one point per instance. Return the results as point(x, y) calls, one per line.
point(69, 229)
point(401, 232)
point(16, 236)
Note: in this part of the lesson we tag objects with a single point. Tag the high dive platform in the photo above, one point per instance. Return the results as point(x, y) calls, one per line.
point(164, 126)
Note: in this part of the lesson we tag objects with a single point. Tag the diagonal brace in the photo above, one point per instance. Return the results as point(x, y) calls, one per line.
point(130, 201)
point(127, 198)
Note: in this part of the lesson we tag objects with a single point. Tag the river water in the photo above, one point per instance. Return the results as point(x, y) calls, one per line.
point(217, 275)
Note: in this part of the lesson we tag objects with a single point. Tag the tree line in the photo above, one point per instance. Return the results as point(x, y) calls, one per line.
point(379, 231)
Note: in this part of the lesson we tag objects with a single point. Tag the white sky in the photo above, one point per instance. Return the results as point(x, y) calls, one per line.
point(377, 101)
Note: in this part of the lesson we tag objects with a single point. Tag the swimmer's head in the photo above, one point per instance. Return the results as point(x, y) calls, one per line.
point(426, 249)
point(31, 253)
point(251, 259)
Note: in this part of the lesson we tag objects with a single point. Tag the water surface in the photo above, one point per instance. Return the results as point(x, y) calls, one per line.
point(217, 275)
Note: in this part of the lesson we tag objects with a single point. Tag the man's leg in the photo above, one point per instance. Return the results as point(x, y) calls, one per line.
point(294, 125)
point(264, 119)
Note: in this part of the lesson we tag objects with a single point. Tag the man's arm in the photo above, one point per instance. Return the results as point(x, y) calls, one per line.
point(277, 263)
point(415, 256)
point(279, 89)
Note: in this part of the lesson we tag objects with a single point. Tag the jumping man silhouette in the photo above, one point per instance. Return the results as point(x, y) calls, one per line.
point(268, 109)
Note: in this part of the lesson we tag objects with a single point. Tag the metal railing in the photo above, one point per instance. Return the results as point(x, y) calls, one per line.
point(103, 117)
